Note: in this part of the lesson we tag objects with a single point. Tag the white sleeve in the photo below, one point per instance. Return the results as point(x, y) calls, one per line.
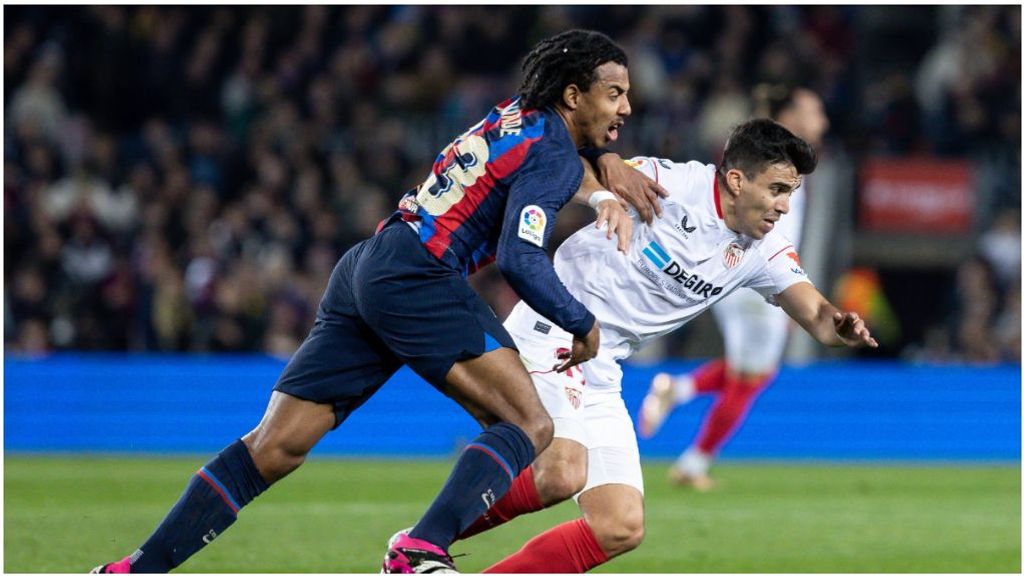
point(781, 270)
point(676, 177)
point(644, 164)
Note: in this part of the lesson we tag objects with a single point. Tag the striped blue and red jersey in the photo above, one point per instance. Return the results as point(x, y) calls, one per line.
point(492, 194)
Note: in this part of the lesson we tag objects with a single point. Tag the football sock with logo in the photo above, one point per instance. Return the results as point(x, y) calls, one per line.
point(727, 413)
point(209, 505)
point(568, 548)
point(482, 475)
point(521, 498)
point(710, 376)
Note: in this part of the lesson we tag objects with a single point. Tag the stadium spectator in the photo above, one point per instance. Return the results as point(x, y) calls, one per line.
point(335, 109)
point(987, 318)
point(37, 106)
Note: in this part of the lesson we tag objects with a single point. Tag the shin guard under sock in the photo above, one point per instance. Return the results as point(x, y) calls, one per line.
point(209, 505)
point(521, 498)
point(482, 476)
point(568, 548)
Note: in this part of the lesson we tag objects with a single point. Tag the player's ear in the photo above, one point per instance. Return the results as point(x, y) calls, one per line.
point(571, 96)
point(735, 180)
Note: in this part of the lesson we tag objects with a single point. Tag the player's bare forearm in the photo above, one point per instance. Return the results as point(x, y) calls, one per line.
point(823, 320)
point(611, 211)
point(821, 326)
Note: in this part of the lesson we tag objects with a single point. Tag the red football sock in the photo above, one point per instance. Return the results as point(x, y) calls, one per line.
point(568, 548)
point(728, 413)
point(521, 498)
point(709, 376)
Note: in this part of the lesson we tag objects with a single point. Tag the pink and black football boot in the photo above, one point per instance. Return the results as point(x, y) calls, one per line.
point(408, 555)
point(122, 566)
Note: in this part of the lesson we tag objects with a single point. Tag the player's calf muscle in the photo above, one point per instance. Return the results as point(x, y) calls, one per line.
point(288, 431)
point(273, 462)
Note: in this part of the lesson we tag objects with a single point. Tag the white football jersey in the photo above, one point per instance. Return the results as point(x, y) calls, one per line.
point(676, 268)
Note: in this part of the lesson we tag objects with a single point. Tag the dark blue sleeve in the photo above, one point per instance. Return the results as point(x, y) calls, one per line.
point(541, 187)
point(592, 154)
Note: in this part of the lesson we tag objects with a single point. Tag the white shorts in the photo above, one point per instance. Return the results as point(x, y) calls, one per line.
point(597, 419)
point(755, 332)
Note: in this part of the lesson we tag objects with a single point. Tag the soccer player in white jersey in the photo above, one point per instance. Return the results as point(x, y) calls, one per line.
point(755, 332)
point(714, 237)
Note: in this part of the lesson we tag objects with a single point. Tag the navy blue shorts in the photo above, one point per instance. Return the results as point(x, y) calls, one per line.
point(389, 302)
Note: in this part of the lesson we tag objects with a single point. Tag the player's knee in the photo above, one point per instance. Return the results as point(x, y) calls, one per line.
point(545, 430)
point(540, 429)
point(285, 462)
point(620, 532)
point(559, 483)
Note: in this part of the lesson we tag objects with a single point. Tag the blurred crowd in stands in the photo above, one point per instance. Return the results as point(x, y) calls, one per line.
point(184, 178)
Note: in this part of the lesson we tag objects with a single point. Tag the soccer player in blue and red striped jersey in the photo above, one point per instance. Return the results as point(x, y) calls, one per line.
point(401, 297)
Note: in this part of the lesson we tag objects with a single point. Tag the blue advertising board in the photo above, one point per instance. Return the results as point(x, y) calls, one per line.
point(197, 404)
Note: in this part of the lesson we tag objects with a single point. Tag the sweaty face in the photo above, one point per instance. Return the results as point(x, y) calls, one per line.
point(603, 108)
point(761, 201)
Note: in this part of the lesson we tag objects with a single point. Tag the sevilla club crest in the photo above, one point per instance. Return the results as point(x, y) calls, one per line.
point(574, 388)
point(574, 397)
point(733, 255)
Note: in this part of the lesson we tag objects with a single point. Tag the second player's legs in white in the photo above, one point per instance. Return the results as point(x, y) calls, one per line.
point(755, 335)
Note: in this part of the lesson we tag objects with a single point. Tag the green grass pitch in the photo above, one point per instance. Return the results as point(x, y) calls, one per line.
point(334, 515)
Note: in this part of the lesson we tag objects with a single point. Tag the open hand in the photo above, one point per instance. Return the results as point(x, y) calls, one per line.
point(618, 222)
point(852, 331)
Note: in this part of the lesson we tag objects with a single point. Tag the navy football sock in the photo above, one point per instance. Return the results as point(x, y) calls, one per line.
point(209, 505)
point(480, 478)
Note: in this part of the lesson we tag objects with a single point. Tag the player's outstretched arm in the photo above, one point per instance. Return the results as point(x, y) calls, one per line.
point(633, 186)
point(828, 324)
point(611, 211)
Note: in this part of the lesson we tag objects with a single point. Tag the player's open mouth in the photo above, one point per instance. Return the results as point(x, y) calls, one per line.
point(767, 225)
point(613, 131)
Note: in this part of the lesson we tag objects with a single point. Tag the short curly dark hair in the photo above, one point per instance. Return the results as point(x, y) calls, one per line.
point(757, 144)
point(567, 58)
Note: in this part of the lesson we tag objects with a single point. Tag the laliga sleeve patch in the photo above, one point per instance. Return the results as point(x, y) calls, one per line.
point(532, 222)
